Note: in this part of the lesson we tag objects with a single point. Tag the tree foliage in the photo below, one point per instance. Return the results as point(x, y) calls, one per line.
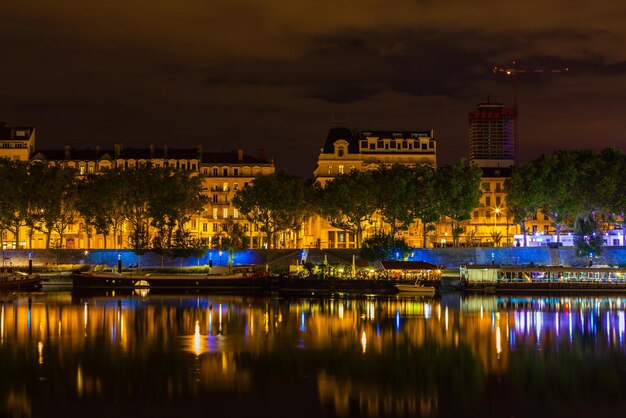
point(382, 247)
point(276, 203)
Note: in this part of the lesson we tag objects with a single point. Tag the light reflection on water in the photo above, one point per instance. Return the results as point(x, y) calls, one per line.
point(370, 356)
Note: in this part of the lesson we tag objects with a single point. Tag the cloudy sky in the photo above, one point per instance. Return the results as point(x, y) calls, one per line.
point(270, 74)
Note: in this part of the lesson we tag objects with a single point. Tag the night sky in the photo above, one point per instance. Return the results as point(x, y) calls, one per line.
point(271, 74)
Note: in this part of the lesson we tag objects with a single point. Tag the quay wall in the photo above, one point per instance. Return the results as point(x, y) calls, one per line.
point(450, 258)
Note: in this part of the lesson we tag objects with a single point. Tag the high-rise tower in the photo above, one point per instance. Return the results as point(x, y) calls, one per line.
point(492, 135)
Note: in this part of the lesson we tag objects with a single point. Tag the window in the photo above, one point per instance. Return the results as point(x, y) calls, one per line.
point(206, 171)
point(330, 170)
point(236, 186)
point(90, 169)
point(498, 189)
point(341, 169)
point(424, 147)
point(225, 171)
point(487, 200)
point(225, 212)
point(498, 199)
point(235, 171)
point(486, 186)
point(214, 213)
point(215, 227)
point(340, 152)
point(235, 213)
point(193, 224)
point(372, 146)
point(225, 186)
point(476, 213)
point(214, 198)
point(82, 170)
point(205, 227)
point(215, 171)
point(545, 229)
point(193, 166)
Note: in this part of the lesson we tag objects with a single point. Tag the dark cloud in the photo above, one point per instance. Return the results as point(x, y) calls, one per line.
point(245, 73)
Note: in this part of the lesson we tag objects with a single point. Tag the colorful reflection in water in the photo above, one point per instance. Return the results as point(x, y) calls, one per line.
point(339, 356)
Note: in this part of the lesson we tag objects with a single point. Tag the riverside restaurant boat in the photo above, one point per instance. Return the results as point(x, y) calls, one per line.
point(504, 278)
point(13, 279)
point(237, 282)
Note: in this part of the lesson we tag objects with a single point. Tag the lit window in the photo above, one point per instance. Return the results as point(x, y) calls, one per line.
point(341, 169)
point(330, 170)
point(225, 212)
point(225, 187)
point(235, 213)
point(82, 170)
point(214, 213)
point(236, 186)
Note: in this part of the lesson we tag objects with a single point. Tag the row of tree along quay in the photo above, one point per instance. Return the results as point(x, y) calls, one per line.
point(399, 195)
point(580, 191)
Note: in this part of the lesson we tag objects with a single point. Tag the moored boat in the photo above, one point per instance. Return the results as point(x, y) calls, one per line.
point(416, 288)
point(167, 281)
point(13, 279)
point(506, 278)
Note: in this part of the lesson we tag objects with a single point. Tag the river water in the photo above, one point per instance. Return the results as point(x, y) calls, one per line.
point(137, 355)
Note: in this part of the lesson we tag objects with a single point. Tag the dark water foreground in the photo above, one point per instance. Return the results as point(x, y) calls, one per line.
point(66, 355)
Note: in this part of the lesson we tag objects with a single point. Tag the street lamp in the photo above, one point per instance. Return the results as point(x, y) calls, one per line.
point(495, 223)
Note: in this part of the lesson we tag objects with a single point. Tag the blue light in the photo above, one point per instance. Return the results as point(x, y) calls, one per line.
point(398, 320)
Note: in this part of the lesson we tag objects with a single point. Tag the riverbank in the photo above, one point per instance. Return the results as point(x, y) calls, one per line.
point(449, 258)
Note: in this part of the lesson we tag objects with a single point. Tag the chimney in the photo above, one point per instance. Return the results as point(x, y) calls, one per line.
point(199, 149)
point(263, 155)
point(118, 149)
point(151, 151)
point(67, 152)
point(165, 151)
point(240, 155)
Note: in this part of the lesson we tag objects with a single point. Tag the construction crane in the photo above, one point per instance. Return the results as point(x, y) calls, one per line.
point(513, 69)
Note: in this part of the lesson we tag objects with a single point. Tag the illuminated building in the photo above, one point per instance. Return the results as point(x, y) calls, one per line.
point(492, 135)
point(346, 150)
point(16, 143)
point(223, 174)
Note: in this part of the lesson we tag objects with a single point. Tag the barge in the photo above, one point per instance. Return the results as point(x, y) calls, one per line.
point(112, 281)
point(507, 278)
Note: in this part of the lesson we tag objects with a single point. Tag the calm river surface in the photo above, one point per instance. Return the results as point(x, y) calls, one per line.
point(136, 355)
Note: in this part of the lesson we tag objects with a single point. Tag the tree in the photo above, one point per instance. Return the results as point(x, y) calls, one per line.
point(348, 201)
point(179, 197)
point(231, 239)
point(524, 194)
point(424, 197)
point(57, 202)
point(381, 247)
point(459, 192)
point(587, 236)
point(138, 187)
point(276, 202)
point(393, 188)
point(14, 196)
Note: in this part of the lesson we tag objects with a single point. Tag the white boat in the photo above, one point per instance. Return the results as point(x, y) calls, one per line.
point(416, 288)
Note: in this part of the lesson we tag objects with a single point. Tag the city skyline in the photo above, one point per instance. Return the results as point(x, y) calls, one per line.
point(257, 75)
